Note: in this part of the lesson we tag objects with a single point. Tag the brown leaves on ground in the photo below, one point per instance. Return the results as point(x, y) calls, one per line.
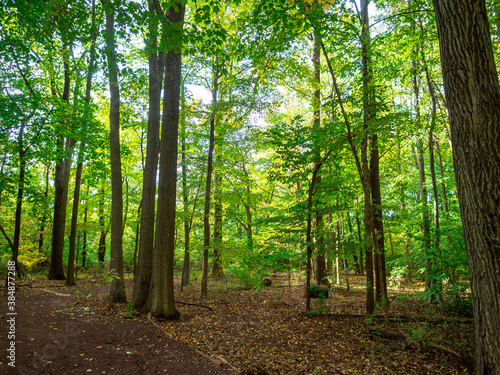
point(266, 331)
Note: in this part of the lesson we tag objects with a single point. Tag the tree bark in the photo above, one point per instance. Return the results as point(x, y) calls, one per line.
point(473, 97)
point(101, 252)
point(319, 240)
point(19, 200)
point(217, 270)
point(117, 287)
point(70, 280)
point(84, 247)
point(142, 278)
point(161, 301)
point(78, 178)
point(41, 238)
point(61, 182)
point(435, 285)
point(186, 266)
point(368, 116)
point(206, 218)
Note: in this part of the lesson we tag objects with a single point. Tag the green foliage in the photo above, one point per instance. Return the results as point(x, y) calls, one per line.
point(458, 300)
point(249, 270)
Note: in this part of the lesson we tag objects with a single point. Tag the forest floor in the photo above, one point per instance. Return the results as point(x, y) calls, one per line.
point(62, 330)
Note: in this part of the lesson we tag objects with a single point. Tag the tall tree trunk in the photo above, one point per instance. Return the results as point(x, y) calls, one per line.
point(354, 254)
point(137, 232)
point(309, 247)
point(84, 247)
point(360, 243)
point(425, 226)
point(206, 218)
point(379, 256)
point(117, 287)
point(161, 301)
point(426, 233)
point(41, 238)
point(452, 270)
point(248, 227)
point(70, 280)
point(186, 266)
point(368, 116)
point(473, 96)
point(19, 200)
point(61, 182)
point(217, 270)
point(435, 285)
point(78, 178)
point(142, 278)
point(319, 241)
point(101, 252)
point(402, 207)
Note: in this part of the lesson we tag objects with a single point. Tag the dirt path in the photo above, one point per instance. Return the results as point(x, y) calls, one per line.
point(55, 335)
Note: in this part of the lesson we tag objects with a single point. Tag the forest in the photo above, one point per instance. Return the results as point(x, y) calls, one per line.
point(178, 155)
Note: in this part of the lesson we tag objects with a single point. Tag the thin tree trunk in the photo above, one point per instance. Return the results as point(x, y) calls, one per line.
point(41, 238)
point(452, 270)
point(70, 280)
point(364, 176)
point(19, 200)
point(354, 255)
point(309, 246)
point(360, 243)
point(137, 232)
point(338, 245)
point(101, 252)
point(390, 241)
point(248, 211)
point(186, 266)
point(84, 248)
point(425, 213)
point(435, 287)
point(421, 180)
point(406, 238)
point(217, 270)
point(206, 218)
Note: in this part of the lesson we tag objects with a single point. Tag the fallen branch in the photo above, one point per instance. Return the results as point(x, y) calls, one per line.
point(194, 304)
point(443, 348)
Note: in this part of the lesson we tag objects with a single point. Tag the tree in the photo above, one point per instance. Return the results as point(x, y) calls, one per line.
point(161, 302)
point(70, 280)
point(142, 278)
point(117, 287)
point(64, 146)
point(206, 218)
point(473, 98)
